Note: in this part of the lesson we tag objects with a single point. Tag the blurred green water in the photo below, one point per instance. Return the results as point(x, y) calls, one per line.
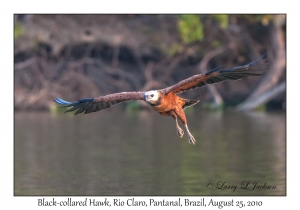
point(113, 152)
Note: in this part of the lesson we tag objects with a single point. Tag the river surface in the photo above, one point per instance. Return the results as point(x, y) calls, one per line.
point(114, 152)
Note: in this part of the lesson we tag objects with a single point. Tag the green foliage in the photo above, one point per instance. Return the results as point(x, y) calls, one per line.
point(175, 48)
point(18, 30)
point(189, 110)
point(261, 108)
point(55, 109)
point(264, 19)
point(216, 43)
point(132, 106)
point(222, 20)
point(190, 28)
point(212, 106)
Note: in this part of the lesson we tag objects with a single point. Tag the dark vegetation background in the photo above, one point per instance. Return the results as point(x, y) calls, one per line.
point(79, 56)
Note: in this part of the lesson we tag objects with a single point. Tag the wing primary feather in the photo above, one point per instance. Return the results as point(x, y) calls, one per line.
point(81, 109)
point(88, 108)
point(213, 70)
point(73, 108)
point(98, 107)
point(103, 105)
point(91, 108)
point(86, 100)
point(257, 59)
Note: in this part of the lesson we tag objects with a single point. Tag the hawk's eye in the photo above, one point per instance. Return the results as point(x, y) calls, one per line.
point(152, 95)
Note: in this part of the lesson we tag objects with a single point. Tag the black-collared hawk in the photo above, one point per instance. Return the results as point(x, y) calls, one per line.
point(166, 101)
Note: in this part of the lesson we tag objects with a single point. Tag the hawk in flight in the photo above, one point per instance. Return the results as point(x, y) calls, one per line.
point(166, 101)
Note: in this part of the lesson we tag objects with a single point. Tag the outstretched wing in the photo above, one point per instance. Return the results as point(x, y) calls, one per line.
point(217, 75)
point(88, 105)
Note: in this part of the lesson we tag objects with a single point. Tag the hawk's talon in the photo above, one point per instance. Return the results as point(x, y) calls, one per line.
point(192, 140)
point(180, 132)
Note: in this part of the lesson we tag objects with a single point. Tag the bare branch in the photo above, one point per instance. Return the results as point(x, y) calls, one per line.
point(24, 64)
point(264, 98)
point(202, 66)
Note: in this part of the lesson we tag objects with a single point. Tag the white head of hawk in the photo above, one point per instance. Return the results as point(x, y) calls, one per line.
point(152, 96)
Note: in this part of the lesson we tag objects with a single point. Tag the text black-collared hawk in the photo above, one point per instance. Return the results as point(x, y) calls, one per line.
point(166, 101)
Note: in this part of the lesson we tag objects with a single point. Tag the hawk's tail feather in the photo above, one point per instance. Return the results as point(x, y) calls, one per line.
point(189, 103)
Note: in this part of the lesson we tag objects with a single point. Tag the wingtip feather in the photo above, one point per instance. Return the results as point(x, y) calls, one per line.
point(213, 70)
point(86, 100)
point(257, 60)
point(62, 102)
